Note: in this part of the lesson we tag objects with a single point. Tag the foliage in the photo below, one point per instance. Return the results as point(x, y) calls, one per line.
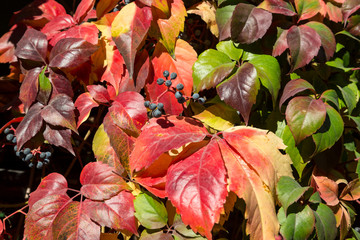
point(207, 119)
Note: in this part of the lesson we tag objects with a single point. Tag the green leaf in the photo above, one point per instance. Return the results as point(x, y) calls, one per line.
point(350, 94)
point(229, 49)
point(155, 235)
point(184, 231)
point(330, 131)
point(268, 70)
point(338, 63)
point(223, 20)
point(45, 88)
point(346, 33)
point(210, 69)
point(298, 225)
point(150, 212)
point(315, 198)
point(331, 95)
point(289, 191)
point(356, 234)
point(307, 8)
point(325, 222)
point(356, 121)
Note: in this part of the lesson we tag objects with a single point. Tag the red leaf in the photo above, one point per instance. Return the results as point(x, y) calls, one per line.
point(304, 44)
point(70, 52)
point(84, 103)
point(240, 90)
point(30, 125)
point(104, 6)
point(327, 188)
point(128, 30)
point(185, 57)
point(116, 213)
point(7, 48)
point(29, 87)
point(249, 23)
point(278, 6)
point(100, 182)
point(99, 93)
point(86, 31)
point(142, 69)
point(60, 84)
point(52, 184)
point(196, 186)
point(32, 46)
point(59, 137)
point(57, 24)
point(73, 223)
point(162, 135)
point(60, 112)
point(351, 191)
point(104, 25)
point(293, 87)
point(133, 103)
point(154, 185)
point(121, 119)
point(281, 44)
point(307, 8)
point(40, 218)
point(83, 9)
point(349, 7)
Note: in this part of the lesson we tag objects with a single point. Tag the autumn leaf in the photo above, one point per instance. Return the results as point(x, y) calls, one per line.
point(206, 10)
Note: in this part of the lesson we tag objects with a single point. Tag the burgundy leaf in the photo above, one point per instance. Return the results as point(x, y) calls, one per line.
point(32, 46)
point(52, 184)
point(70, 52)
point(100, 182)
point(249, 23)
point(133, 103)
point(86, 31)
point(223, 20)
point(304, 44)
point(142, 69)
point(84, 103)
point(73, 223)
point(99, 93)
point(40, 218)
point(240, 90)
point(281, 44)
point(196, 186)
point(60, 112)
point(83, 9)
point(57, 24)
point(30, 125)
point(116, 213)
point(59, 137)
point(349, 7)
point(293, 87)
point(29, 87)
point(278, 6)
point(60, 85)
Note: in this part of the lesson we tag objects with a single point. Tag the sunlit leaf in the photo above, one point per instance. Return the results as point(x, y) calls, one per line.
point(352, 191)
point(293, 87)
point(327, 188)
point(85, 31)
point(57, 24)
point(229, 48)
point(206, 10)
point(104, 6)
point(45, 88)
point(307, 8)
point(278, 6)
point(29, 87)
point(32, 46)
point(223, 20)
point(84, 103)
point(83, 9)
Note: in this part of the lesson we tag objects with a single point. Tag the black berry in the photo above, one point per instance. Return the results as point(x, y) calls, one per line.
point(181, 100)
point(9, 137)
point(166, 73)
point(28, 157)
point(39, 165)
point(46, 161)
point(180, 86)
point(168, 83)
point(178, 95)
point(7, 130)
point(201, 100)
point(147, 103)
point(18, 153)
point(15, 148)
point(152, 106)
point(31, 165)
point(160, 106)
point(14, 140)
point(42, 155)
point(160, 81)
point(27, 151)
point(173, 75)
point(48, 154)
point(195, 96)
point(157, 113)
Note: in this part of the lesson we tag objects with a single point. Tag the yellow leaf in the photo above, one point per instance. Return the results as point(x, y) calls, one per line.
point(123, 21)
point(206, 10)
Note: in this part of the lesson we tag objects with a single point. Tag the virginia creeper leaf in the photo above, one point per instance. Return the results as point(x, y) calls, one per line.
point(44, 88)
point(100, 182)
point(104, 6)
point(210, 69)
point(29, 87)
point(159, 235)
point(240, 90)
point(350, 94)
point(73, 223)
point(330, 95)
point(116, 213)
point(83, 9)
point(57, 24)
point(278, 6)
point(330, 132)
point(206, 10)
point(325, 223)
point(70, 52)
point(281, 43)
point(60, 112)
point(249, 23)
point(293, 87)
point(85, 31)
point(30, 125)
point(304, 44)
point(128, 30)
point(32, 46)
point(305, 115)
point(121, 118)
point(196, 186)
point(352, 191)
point(327, 188)
point(150, 212)
point(59, 137)
point(229, 48)
point(349, 7)
point(223, 20)
point(307, 9)
point(60, 84)
point(104, 25)
point(84, 103)
point(98, 93)
point(162, 135)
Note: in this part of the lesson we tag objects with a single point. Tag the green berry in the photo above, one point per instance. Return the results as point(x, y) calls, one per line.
point(195, 96)
point(147, 103)
point(160, 81)
point(166, 73)
point(173, 76)
point(168, 83)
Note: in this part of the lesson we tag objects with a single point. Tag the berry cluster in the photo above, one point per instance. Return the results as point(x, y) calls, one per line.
point(156, 110)
point(27, 155)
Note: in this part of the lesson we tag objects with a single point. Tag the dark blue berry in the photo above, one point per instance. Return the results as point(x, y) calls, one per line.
point(31, 165)
point(201, 100)
point(48, 154)
point(168, 83)
point(42, 155)
point(46, 161)
point(27, 151)
point(178, 95)
point(9, 137)
point(147, 103)
point(195, 96)
point(18, 153)
point(28, 157)
point(181, 100)
point(157, 113)
point(152, 106)
point(39, 165)
point(15, 148)
point(14, 140)
point(180, 86)
point(173, 75)
point(160, 81)
point(7, 130)
point(160, 106)
point(166, 73)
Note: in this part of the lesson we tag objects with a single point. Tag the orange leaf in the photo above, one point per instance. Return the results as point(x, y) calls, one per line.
point(327, 188)
point(206, 10)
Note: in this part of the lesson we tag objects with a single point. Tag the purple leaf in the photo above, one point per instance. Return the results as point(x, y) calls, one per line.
point(71, 52)
point(60, 85)
point(223, 20)
point(30, 125)
point(349, 7)
point(32, 46)
point(60, 137)
point(304, 44)
point(293, 87)
point(249, 23)
point(29, 87)
point(278, 6)
point(240, 90)
point(281, 43)
point(60, 112)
